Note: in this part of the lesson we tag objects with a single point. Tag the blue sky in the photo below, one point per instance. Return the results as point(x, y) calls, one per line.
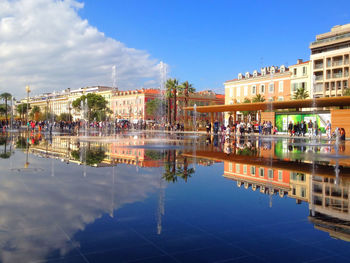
point(208, 42)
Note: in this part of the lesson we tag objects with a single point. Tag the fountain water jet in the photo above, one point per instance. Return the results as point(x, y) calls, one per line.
point(163, 70)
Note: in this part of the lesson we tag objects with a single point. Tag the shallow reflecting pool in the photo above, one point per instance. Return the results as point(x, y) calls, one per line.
point(155, 197)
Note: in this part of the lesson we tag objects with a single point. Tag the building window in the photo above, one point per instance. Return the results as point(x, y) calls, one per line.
point(238, 91)
point(254, 89)
point(295, 72)
point(294, 191)
point(245, 91)
point(280, 86)
point(261, 172)
point(280, 175)
point(230, 167)
point(294, 87)
point(262, 88)
point(237, 168)
point(270, 174)
point(304, 71)
point(271, 88)
point(231, 92)
point(280, 98)
point(252, 170)
point(303, 192)
point(244, 169)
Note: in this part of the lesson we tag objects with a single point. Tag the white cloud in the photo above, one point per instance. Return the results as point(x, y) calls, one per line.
point(46, 44)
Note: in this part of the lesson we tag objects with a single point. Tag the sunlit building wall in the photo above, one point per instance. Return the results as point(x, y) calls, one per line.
point(330, 62)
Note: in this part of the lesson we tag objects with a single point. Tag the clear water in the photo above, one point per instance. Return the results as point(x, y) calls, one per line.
point(142, 199)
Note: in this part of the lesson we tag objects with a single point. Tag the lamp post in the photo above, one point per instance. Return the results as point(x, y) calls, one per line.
point(27, 90)
point(27, 146)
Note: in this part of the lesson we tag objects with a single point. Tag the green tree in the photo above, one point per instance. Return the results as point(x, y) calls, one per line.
point(172, 87)
point(154, 106)
point(97, 104)
point(6, 97)
point(2, 109)
point(22, 109)
point(91, 157)
point(346, 92)
point(35, 113)
point(258, 98)
point(301, 94)
point(246, 100)
point(186, 89)
point(65, 117)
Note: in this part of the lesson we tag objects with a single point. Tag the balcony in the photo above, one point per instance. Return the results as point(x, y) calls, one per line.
point(319, 87)
point(337, 63)
point(319, 77)
point(319, 66)
point(337, 75)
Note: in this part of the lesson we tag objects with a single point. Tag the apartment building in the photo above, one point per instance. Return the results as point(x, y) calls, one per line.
point(61, 102)
point(330, 62)
point(131, 104)
point(301, 77)
point(272, 83)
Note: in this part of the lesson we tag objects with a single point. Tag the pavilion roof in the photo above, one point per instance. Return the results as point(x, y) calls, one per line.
point(274, 105)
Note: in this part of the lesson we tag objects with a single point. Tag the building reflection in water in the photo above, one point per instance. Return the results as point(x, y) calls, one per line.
point(44, 207)
point(292, 169)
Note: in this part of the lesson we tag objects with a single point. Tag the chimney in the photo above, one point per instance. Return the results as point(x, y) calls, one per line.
point(299, 61)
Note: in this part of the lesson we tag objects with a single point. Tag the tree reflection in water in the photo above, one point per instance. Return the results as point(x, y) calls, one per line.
point(172, 171)
point(91, 157)
point(5, 154)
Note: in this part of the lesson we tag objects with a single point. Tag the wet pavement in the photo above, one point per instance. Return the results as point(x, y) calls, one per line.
point(156, 197)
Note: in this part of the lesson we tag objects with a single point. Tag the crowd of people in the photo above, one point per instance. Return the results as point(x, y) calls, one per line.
point(297, 129)
point(302, 129)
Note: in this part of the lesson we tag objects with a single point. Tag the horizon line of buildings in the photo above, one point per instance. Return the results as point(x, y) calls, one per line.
point(124, 104)
point(325, 74)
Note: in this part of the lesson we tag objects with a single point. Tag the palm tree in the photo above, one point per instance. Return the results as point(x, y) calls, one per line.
point(35, 112)
point(169, 95)
point(258, 98)
point(186, 88)
point(301, 94)
point(346, 92)
point(175, 90)
point(172, 86)
point(22, 109)
point(6, 96)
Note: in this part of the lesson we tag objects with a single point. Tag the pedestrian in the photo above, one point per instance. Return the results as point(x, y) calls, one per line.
point(328, 129)
point(310, 128)
point(290, 128)
point(316, 128)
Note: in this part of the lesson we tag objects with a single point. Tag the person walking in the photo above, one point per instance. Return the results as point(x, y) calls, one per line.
point(290, 128)
point(310, 128)
point(328, 129)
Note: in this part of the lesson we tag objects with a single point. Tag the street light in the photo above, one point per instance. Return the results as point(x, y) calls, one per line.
point(27, 90)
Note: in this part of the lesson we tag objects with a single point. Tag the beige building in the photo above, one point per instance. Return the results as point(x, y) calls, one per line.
point(61, 102)
point(272, 83)
point(330, 62)
point(301, 77)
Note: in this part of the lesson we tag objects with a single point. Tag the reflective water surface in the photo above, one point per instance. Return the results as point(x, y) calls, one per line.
point(155, 197)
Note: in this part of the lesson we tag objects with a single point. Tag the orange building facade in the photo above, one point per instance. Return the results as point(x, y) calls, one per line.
point(132, 105)
point(272, 83)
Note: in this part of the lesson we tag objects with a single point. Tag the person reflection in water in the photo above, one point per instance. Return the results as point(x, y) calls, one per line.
point(227, 148)
point(208, 140)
